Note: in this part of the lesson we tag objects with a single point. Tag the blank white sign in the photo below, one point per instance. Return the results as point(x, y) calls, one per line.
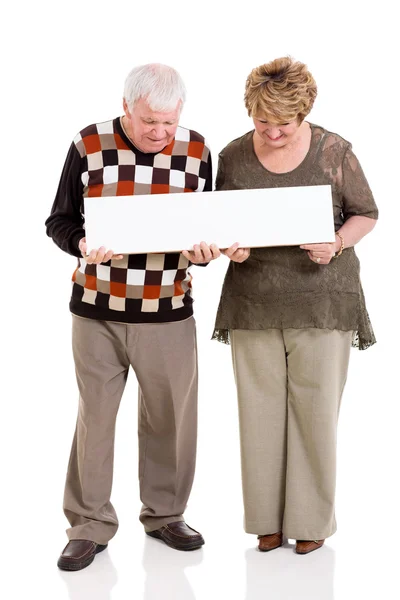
point(287, 216)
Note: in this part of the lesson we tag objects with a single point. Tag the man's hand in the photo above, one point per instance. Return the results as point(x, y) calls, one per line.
point(236, 254)
point(95, 257)
point(321, 254)
point(202, 254)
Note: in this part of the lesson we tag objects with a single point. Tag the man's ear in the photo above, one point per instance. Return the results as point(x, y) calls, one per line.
point(126, 109)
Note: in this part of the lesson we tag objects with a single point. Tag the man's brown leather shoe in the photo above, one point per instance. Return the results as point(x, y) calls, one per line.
point(270, 542)
point(178, 535)
point(78, 554)
point(307, 546)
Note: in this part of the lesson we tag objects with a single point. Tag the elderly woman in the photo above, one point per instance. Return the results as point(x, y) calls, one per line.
point(292, 313)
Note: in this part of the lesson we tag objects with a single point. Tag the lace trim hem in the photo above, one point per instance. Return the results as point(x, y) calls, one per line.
point(222, 335)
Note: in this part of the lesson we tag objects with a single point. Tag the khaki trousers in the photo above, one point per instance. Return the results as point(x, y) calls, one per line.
point(164, 358)
point(289, 384)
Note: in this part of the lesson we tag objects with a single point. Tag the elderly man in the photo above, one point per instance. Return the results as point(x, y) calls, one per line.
point(132, 310)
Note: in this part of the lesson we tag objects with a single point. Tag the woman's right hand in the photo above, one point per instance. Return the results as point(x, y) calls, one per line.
point(96, 257)
point(237, 254)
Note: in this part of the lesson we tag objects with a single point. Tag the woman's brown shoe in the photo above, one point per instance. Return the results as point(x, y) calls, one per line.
point(307, 546)
point(270, 542)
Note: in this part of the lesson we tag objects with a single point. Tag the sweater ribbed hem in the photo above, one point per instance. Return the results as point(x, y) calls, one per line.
point(100, 313)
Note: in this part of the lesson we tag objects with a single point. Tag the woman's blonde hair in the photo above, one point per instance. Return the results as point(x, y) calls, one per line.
point(280, 91)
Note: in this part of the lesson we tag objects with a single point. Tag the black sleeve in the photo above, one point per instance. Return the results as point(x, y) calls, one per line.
point(207, 188)
point(65, 223)
point(208, 184)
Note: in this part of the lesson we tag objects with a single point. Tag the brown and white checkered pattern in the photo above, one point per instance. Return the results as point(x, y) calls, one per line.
point(140, 287)
point(114, 167)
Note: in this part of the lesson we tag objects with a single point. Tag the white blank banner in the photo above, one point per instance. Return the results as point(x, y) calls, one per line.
point(173, 222)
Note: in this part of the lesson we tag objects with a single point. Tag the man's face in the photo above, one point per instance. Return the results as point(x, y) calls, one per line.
point(151, 131)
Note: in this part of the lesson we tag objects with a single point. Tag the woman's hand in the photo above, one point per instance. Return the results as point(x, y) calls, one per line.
point(321, 254)
point(202, 254)
point(237, 254)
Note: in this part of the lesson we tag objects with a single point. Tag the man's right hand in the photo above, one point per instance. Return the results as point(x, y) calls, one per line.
point(95, 257)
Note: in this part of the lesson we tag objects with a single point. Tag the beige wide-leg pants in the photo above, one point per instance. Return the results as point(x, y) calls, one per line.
point(164, 358)
point(289, 383)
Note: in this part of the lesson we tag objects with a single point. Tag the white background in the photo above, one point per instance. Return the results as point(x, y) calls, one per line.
point(64, 68)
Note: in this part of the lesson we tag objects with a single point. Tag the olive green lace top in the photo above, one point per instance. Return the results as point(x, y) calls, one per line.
point(281, 287)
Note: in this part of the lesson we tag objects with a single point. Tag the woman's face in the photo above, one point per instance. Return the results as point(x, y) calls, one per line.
point(275, 135)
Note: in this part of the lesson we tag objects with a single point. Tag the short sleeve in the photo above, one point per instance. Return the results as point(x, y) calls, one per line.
point(357, 195)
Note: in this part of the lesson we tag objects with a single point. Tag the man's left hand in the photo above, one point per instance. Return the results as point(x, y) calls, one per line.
point(202, 253)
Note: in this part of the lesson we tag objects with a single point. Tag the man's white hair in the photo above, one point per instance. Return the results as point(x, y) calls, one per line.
point(161, 86)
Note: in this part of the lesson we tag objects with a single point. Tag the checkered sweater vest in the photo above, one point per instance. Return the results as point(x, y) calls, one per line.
point(102, 161)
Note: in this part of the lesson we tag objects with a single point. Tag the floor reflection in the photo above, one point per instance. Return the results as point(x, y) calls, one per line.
point(95, 581)
point(284, 575)
point(165, 571)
